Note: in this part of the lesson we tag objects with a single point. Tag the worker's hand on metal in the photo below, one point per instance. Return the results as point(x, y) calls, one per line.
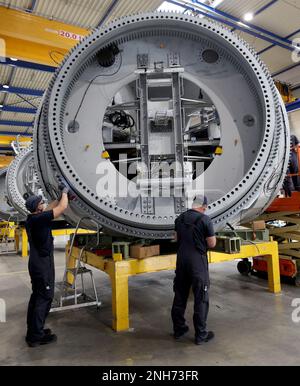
point(63, 188)
point(71, 195)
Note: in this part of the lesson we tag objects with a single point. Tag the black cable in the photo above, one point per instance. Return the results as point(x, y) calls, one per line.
point(55, 52)
point(121, 119)
point(91, 82)
point(25, 100)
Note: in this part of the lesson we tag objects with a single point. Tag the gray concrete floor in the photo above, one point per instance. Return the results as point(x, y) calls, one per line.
point(252, 326)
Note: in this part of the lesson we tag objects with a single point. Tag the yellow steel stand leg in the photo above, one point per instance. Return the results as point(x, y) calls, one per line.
point(24, 243)
point(120, 303)
point(71, 263)
point(273, 270)
point(17, 240)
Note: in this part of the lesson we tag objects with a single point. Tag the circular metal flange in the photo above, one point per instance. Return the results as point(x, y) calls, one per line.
point(7, 211)
point(68, 141)
point(22, 180)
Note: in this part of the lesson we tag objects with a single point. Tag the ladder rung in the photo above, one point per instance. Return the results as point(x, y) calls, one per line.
point(65, 284)
point(78, 270)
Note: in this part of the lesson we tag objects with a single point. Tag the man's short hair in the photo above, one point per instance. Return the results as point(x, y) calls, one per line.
point(199, 201)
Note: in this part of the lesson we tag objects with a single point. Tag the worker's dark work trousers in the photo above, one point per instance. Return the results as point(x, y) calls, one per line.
point(294, 169)
point(41, 271)
point(191, 273)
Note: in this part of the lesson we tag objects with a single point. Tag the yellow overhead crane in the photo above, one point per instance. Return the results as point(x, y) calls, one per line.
point(36, 39)
point(5, 160)
point(5, 141)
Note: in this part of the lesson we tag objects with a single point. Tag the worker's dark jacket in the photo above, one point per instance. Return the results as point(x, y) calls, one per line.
point(38, 228)
point(192, 229)
point(41, 270)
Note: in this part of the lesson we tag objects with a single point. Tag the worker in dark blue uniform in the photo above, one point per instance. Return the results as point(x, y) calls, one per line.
point(293, 165)
point(41, 265)
point(194, 234)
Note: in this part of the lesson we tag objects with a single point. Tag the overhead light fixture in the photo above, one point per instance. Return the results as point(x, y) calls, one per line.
point(5, 86)
point(1, 106)
point(248, 16)
point(14, 59)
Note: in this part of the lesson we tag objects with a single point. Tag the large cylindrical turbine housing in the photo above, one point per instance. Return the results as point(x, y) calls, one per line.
point(162, 88)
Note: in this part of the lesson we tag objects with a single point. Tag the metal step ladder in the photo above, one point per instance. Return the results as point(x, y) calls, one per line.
point(70, 291)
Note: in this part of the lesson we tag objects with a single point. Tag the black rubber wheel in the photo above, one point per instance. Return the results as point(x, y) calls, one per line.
point(244, 267)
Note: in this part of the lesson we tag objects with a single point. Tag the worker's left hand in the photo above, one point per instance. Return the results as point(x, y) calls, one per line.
point(71, 195)
point(63, 188)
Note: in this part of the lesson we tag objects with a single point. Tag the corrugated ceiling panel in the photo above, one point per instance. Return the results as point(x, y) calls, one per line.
point(256, 43)
point(277, 58)
point(17, 116)
point(240, 7)
point(77, 12)
point(5, 72)
point(282, 18)
point(15, 129)
point(15, 100)
point(128, 7)
point(37, 80)
point(294, 119)
point(23, 4)
point(292, 76)
point(296, 93)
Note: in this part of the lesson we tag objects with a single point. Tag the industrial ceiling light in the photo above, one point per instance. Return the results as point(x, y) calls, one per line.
point(180, 90)
point(14, 59)
point(248, 16)
point(5, 86)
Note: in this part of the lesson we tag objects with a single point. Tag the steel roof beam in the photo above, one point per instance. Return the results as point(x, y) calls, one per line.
point(108, 12)
point(263, 8)
point(16, 109)
point(232, 21)
point(27, 65)
point(32, 6)
point(21, 90)
point(274, 45)
point(8, 122)
point(293, 106)
point(286, 69)
point(15, 133)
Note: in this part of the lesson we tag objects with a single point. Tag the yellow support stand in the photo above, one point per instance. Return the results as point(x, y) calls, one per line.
point(24, 243)
point(21, 233)
point(119, 272)
point(266, 249)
